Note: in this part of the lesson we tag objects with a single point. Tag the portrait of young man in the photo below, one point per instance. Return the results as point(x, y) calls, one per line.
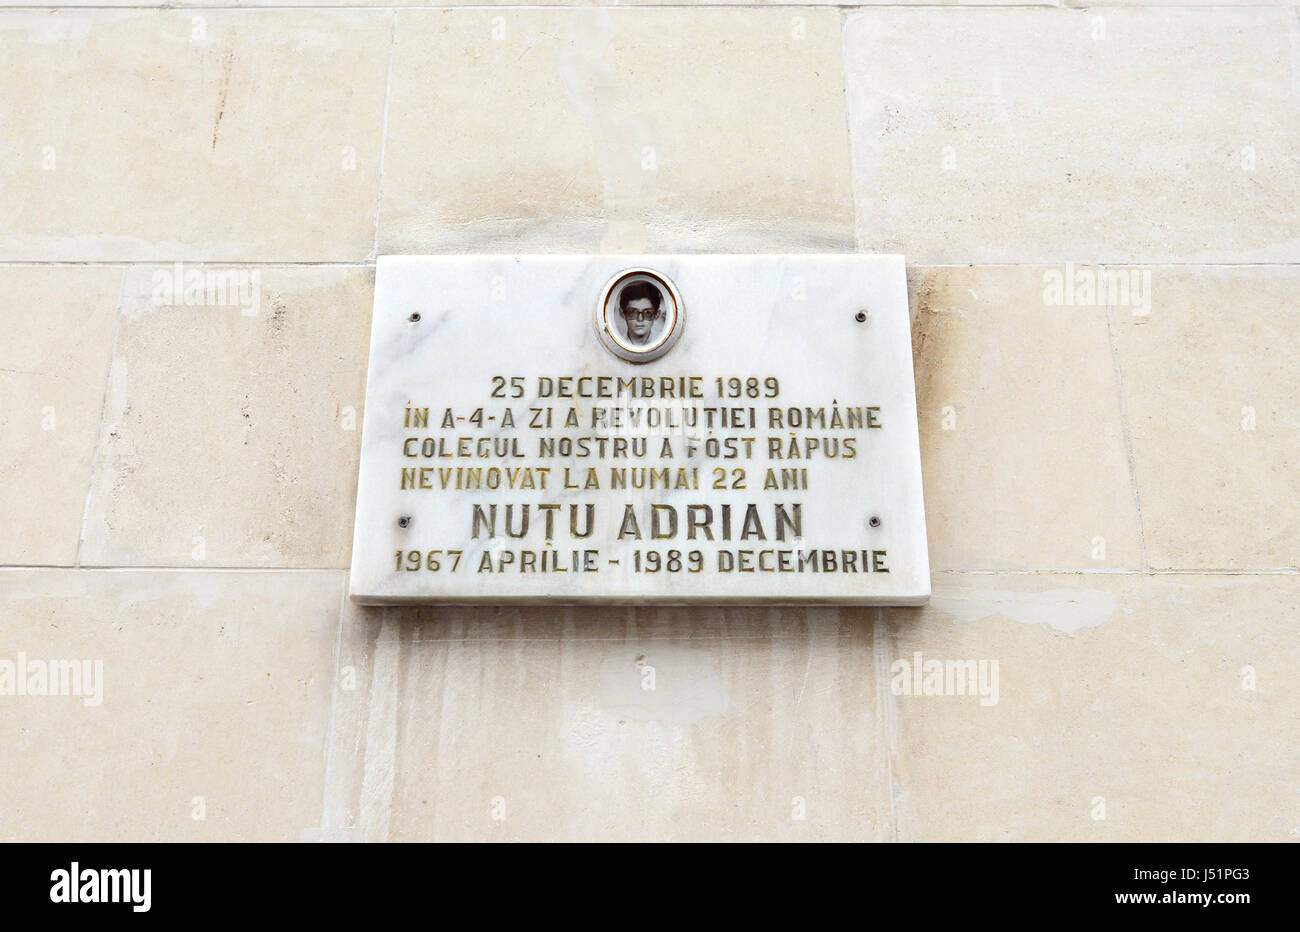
point(641, 305)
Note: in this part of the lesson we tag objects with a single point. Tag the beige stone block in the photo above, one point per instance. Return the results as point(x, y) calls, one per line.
point(1121, 713)
point(672, 129)
point(1088, 4)
point(607, 724)
point(214, 692)
point(1051, 135)
point(1211, 388)
point(1022, 443)
point(232, 438)
point(595, 3)
point(58, 334)
point(237, 135)
point(61, 4)
point(564, 3)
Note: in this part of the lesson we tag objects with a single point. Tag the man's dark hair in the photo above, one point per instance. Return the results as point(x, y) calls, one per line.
point(639, 290)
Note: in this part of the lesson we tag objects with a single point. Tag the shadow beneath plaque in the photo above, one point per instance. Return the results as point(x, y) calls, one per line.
point(575, 624)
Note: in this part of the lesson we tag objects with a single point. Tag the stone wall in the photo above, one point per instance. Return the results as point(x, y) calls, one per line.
point(1111, 476)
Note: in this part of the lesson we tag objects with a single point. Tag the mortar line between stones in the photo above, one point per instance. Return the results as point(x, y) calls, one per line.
point(154, 263)
point(1077, 7)
point(886, 711)
point(383, 134)
point(157, 568)
point(103, 411)
point(858, 241)
point(379, 760)
point(326, 823)
point(1129, 455)
point(169, 7)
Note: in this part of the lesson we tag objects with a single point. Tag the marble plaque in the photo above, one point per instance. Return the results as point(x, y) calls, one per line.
point(640, 429)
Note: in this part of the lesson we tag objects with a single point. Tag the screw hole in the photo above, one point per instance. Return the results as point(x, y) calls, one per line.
point(404, 521)
point(873, 521)
point(860, 317)
point(415, 317)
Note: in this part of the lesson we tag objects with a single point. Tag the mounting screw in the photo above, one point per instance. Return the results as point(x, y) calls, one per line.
point(874, 521)
point(860, 317)
point(404, 521)
point(415, 317)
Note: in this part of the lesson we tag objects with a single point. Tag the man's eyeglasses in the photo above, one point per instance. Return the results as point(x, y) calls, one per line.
point(640, 315)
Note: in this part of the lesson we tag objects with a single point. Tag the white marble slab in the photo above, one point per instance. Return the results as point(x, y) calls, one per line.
point(486, 344)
